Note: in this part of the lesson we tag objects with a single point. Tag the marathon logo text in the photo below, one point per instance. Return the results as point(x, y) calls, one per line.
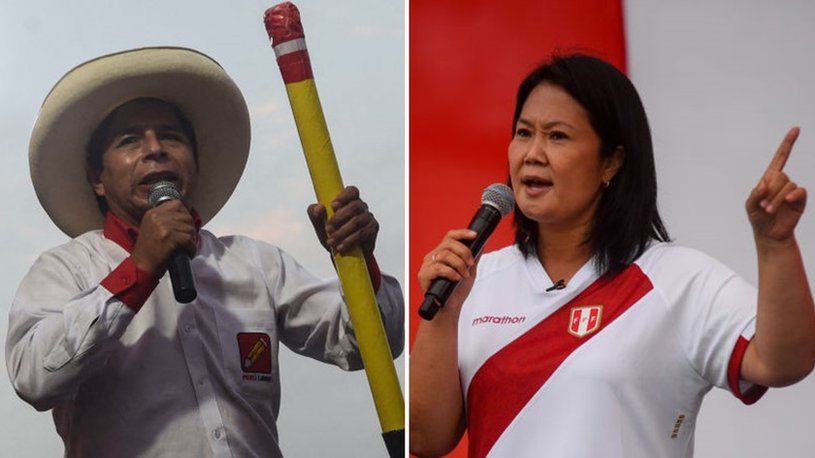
point(506, 319)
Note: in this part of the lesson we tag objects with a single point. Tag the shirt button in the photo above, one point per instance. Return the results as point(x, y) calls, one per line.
point(218, 433)
point(188, 328)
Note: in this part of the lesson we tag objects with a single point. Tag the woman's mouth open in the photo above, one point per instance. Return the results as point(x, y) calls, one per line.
point(534, 186)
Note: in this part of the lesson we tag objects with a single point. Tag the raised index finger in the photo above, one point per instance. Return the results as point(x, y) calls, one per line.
point(784, 150)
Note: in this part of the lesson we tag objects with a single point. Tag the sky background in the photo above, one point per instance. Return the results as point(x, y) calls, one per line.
point(721, 82)
point(357, 51)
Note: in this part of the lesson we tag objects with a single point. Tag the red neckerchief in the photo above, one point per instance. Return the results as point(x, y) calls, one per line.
point(125, 235)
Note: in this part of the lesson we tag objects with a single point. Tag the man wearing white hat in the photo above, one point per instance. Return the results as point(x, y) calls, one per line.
point(95, 333)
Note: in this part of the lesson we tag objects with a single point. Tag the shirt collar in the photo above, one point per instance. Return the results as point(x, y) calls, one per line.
point(125, 235)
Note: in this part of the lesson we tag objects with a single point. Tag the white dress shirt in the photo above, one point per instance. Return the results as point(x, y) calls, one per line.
point(128, 371)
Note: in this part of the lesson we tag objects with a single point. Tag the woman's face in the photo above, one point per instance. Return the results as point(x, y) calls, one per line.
point(554, 159)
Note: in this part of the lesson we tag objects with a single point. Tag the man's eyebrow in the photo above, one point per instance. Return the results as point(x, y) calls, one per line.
point(134, 129)
point(165, 127)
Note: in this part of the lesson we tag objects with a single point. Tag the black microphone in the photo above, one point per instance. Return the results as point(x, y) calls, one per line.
point(560, 284)
point(179, 263)
point(496, 201)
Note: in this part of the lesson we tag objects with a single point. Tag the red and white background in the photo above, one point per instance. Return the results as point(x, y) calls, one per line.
point(721, 83)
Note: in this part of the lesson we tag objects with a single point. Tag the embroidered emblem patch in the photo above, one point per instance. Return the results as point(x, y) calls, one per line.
point(585, 320)
point(256, 353)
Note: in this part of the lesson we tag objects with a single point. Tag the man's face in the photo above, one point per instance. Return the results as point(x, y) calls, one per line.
point(145, 143)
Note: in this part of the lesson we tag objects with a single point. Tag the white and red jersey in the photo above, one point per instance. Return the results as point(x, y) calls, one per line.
point(612, 367)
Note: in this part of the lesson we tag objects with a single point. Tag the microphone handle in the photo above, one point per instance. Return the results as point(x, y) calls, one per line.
point(484, 223)
point(181, 277)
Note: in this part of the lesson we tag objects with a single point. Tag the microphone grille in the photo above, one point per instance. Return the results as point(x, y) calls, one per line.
point(163, 191)
point(500, 197)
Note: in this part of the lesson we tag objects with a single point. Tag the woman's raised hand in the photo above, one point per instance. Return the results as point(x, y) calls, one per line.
point(776, 204)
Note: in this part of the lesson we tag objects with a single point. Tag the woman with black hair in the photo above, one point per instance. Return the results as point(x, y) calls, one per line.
point(594, 335)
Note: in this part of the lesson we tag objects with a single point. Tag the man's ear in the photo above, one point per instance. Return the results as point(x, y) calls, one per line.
point(95, 181)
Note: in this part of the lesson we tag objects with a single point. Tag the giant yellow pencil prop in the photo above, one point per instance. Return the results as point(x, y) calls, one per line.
point(288, 40)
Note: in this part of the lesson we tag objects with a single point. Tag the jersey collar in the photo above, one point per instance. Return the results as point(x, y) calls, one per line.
point(540, 280)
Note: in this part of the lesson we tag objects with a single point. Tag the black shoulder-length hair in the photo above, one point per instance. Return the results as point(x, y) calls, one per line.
point(626, 219)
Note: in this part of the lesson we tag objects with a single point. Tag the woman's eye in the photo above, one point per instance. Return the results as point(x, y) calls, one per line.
point(522, 132)
point(557, 135)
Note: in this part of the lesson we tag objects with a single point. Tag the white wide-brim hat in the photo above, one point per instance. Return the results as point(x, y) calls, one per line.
point(81, 100)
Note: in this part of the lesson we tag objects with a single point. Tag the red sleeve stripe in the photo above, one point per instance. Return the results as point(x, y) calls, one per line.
point(374, 272)
point(529, 361)
point(755, 392)
point(130, 284)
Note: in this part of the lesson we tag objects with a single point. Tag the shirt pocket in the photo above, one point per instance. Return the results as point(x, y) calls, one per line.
point(249, 347)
